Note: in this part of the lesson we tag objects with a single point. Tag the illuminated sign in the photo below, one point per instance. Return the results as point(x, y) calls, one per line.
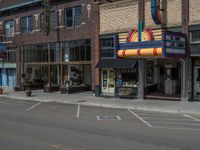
point(155, 43)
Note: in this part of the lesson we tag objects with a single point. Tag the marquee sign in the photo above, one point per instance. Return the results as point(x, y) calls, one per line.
point(155, 43)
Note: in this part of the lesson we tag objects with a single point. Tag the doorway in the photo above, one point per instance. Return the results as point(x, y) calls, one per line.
point(196, 82)
point(108, 82)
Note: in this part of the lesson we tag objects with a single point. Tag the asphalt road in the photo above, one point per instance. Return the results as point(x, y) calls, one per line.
point(31, 125)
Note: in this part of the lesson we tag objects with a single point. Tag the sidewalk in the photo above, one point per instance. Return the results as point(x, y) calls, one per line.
point(88, 99)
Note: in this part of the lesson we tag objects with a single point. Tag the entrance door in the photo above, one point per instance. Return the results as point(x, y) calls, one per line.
point(108, 81)
point(11, 78)
point(196, 82)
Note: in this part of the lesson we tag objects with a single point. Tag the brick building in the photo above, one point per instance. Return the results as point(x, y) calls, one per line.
point(65, 57)
point(121, 17)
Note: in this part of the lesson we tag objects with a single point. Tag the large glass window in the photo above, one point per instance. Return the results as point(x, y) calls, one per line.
point(11, 56)
point(9, 28)
point(55, 52)
point(195, 36)
point(35, 53)
point(107, 47)
point(73, 16)
point(27, 25)
point(80, 50)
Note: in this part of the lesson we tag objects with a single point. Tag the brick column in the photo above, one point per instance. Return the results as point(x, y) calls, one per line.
point(95, 55)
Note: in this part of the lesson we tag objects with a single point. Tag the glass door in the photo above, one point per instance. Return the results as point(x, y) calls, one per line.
point(108, 81)
point(196, 82)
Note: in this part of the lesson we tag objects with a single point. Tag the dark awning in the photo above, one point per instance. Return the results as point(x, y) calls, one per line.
point(117, 63)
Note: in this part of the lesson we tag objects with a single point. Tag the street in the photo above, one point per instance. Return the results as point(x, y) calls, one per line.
point(34, 125)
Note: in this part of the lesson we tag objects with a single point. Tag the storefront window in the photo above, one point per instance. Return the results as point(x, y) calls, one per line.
point(127, 82)
point(150, 72)
point(80, 50)
point(55, 52)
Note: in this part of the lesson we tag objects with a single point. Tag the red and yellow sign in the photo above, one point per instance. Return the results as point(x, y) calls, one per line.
point(132, 37)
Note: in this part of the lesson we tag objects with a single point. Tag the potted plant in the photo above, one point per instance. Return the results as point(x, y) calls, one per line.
point(1, 90)
point(28, 92)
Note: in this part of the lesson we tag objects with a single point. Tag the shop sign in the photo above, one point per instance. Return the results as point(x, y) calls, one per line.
point(155, 43)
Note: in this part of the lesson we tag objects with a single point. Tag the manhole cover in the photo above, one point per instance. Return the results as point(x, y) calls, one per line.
point(108, 117)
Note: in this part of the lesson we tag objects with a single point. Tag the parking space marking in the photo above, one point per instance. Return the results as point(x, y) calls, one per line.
point(168, 119)
point(78, 112)
point(141, 119)
point(191, 117)
point(170, 123)
point(179, 128)
point(33, 106)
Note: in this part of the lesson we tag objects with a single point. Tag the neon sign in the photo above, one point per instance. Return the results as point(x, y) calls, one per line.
point(155, 11)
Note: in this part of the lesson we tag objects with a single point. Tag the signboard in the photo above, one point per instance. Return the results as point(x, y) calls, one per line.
point(155, 43)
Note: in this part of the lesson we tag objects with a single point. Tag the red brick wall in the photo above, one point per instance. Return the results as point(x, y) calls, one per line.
point(88, 30)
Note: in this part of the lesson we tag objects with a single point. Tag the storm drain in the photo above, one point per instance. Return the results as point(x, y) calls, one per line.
point(108, 117)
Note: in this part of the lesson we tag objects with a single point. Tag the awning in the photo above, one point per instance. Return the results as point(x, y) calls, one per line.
point(18, 5)
point(117, 63)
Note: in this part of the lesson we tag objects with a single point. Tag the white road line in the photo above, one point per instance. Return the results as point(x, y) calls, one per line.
point(78, 112)
point(172, 128)
point(33, 106)
point(159, 118)
point(191, 117)
point(140, 118)
point(183, 124)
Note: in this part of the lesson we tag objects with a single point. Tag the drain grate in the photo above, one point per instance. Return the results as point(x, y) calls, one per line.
point(108, 117)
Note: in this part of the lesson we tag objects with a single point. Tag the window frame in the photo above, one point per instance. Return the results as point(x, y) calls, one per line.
point(192, 33)
point(73, 17)
point(28, 25)
point(9, 35)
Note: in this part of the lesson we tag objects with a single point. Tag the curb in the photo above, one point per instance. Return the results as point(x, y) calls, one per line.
point(137, 107)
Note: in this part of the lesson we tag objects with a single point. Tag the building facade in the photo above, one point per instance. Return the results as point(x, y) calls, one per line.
point(153, 76)
point(64, 57)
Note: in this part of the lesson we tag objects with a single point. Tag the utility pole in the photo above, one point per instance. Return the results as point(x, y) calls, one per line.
point(141, 71)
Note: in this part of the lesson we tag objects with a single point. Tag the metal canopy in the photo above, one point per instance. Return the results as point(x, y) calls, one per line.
point(18, 5)
point(117, 63)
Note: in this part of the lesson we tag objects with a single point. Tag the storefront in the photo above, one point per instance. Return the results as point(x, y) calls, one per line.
point(195, 70)
point(118, 77)
point(64, 65)
point(162, 53)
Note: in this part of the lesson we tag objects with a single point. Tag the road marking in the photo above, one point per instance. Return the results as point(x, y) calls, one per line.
point(78, 112)
point(172, 128)
point(159, 118)
point(191, 117)
point(184, 124)
point(33, 106)
point(140, 118)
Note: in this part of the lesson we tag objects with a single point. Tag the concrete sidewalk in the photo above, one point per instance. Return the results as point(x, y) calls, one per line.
point(87, 98)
